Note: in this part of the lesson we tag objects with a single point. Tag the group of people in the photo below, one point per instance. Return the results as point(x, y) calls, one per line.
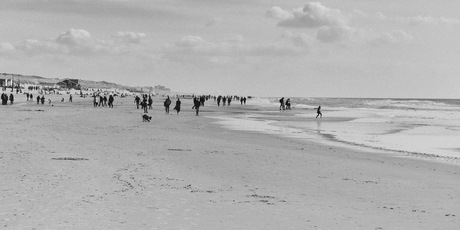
point(287, 106)
point(228, 100)
point(145, 104)
point(5, 99)
point(101, 100)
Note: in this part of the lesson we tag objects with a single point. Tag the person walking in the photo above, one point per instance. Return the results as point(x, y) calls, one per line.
point(150, 102)
point(110, 101)
point(11, 99)
point(282, 103)
point(167, 103)
point(137, 100)
point(196, 105)
point(177, 107)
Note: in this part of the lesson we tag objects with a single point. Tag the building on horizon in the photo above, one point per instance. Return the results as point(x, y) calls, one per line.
point(69, 84)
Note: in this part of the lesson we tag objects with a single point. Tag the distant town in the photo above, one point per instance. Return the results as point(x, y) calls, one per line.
point(32, 82)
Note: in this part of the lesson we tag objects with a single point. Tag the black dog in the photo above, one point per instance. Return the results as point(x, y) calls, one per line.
point(146, 118)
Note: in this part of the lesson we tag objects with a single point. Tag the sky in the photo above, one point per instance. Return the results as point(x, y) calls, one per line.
point(332, 48)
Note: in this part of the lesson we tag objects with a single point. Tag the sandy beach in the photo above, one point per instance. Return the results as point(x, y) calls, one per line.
point(73, 166)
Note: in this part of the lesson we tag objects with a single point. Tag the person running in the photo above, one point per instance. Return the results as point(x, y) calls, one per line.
point(177, 107)
point(318, 111)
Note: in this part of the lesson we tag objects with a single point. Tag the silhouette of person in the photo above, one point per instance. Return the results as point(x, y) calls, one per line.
point(219, 98)
point(177, 107)
point(167, 103)
point(137, 100)
point(282, 103)
point(11, 99)
point(196, 105)
point(318, 111)
point(110, 101)
point(38, 99)
point(150, 102)
point(288, 104)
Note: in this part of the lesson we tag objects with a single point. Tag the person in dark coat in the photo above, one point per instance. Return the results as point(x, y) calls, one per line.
point(42, 99)
point(167, 103)
point(150, 102)
point(177, 107)
point(137, 100)
point(196, 105)
point(110, 101)
point(38, 99)
point(11, 98)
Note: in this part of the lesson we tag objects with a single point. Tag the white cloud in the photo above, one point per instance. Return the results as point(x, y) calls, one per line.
point(74, 37)
point(301, 40)
point(6, 48)
point(36, 47)
point(130, 37)
point(418, 20)
point(335, 33)
point(313, 15)
point(392, 38)
point(278, 13)
point(78, 42)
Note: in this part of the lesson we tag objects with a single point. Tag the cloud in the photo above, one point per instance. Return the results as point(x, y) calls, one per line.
point(392, 38)
point(300, 40)
point(278, 13)
point(130, 37)
point(74, 37)
point(418, 20)
point(6, 48)
point(313, 15)
point(77, 42)
point(335, 34)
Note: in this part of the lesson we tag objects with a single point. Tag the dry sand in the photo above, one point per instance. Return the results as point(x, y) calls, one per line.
point(72, 166)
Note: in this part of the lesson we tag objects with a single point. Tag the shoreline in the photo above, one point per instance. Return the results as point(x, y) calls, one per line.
point(278, 124)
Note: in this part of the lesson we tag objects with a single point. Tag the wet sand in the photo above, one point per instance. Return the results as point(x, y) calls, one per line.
point(72, 166)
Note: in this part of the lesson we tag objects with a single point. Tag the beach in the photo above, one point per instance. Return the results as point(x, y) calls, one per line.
point(73, 166)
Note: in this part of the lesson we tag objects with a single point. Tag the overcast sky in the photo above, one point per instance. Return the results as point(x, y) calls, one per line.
point(333, 48)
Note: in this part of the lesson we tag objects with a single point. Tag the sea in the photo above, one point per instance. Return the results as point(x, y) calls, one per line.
point(423, 128)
